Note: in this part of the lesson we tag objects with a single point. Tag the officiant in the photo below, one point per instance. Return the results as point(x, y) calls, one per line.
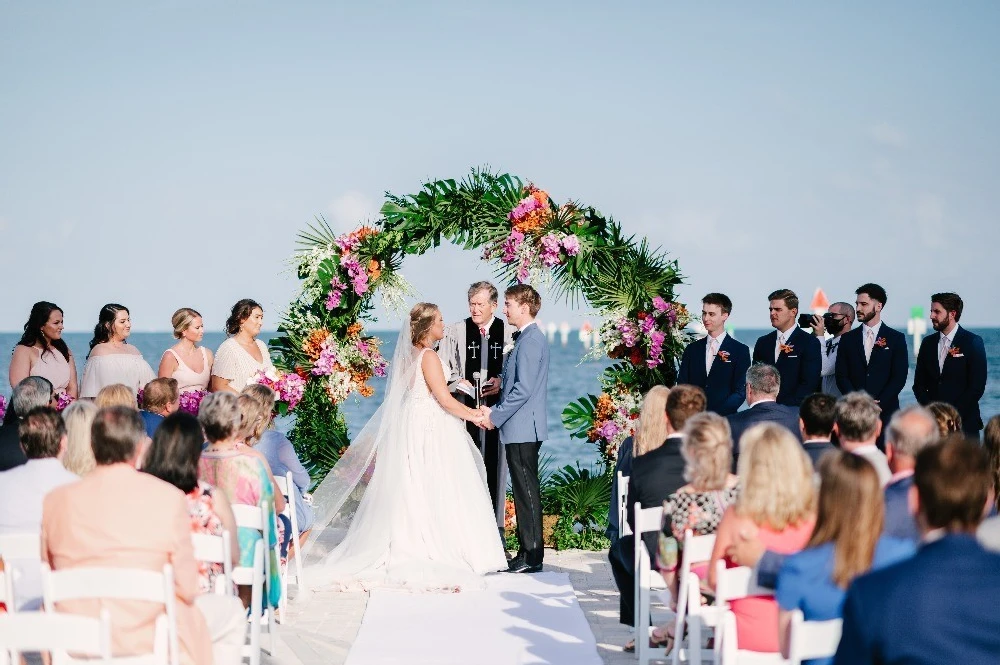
point(476, 346)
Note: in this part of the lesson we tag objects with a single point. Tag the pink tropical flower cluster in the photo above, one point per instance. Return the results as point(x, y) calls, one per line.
point(337, 289)
point(65, 399)
point(190, 401)
point(640, 337)
point(289, 387)
point(356, 272)
point(3, 407)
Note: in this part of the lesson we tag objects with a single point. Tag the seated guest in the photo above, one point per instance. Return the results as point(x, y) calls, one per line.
point(777, 502)
point(160, 398)
point(858, 424)
point(117, 517)
point(846, 542)
point(763, 384)
point(910, 430)
point(243, 477)
point(79, 456)
point(816, 416)
point(700, 504)
point(280, 454)
point(116, 394)
point(22, 489)
point(949, 421)
point(938, 606)
point(173, 457)
point(657, 472)
point(29, 394)
point(989, 530)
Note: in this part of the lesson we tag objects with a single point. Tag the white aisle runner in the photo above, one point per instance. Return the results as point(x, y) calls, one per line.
point(516, 620)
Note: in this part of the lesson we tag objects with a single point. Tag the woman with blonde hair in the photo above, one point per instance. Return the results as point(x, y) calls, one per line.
point(79, 456)
point(185, 361)
point(846, 542)
point(116, 394)
point(777, 501)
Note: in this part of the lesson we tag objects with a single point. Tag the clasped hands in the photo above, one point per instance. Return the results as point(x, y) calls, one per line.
point(482, 419)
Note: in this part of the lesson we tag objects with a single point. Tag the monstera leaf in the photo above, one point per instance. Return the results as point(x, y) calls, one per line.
point(578, 416)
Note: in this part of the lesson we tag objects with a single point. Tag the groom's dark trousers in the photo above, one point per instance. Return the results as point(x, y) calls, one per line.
point(522, 461)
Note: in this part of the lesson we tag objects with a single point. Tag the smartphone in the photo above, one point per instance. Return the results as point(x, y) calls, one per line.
point(805, 320)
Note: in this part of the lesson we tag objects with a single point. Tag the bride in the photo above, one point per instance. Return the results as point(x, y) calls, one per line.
point(411, 490)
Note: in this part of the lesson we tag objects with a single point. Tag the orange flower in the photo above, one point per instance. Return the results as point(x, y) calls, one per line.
point(373, 270)
point(604, 409)
point(313, 345)
point(533, 221)
point(354, 329)
point(366, 231)
point(787, 349)
point(366, 390)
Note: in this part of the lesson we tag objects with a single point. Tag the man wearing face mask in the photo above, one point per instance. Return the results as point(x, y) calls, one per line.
point(837, 321)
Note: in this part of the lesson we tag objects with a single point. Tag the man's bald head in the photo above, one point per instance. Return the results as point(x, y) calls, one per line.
point(911, 430)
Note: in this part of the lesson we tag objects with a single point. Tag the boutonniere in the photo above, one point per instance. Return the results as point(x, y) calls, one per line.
point(787, 349)
point(723, 356)
point(881, 342)
point(955, 352)
point(508, 348)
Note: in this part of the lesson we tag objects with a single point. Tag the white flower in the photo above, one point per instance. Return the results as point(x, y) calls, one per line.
point(507, 349)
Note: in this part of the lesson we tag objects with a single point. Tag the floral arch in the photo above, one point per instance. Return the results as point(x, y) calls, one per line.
point(579, 253)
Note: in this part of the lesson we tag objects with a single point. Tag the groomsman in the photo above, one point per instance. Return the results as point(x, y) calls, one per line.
point(793, 351)
point(951, 364)
point(873, 356)
point(717, 364)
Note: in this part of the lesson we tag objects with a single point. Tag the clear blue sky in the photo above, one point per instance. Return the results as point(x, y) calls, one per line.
point(164, 154)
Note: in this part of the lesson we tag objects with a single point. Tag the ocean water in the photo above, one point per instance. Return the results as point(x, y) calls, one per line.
point(569, 379)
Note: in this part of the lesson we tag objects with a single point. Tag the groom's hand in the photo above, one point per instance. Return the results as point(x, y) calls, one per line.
point(486, 424)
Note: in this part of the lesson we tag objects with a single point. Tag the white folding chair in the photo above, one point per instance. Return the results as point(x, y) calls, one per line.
point(58, 633)
point(733, 584)
point(690, 611)
point(812, 639)
point(623, 528)
point(646, 520)
point(252, 517)
point(287, 487)
point(19, 550)
point(217, 550)
point(122, 584)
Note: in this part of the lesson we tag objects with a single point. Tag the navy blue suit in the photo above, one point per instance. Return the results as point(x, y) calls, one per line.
point(939, 606)
point(762, 412)
point(725, 385)
point(961, 383)
point(899, 522)
point(800, 370)
point(884, 376)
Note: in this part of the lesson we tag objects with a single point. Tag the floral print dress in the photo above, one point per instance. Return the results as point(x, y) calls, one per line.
point(699, 511)
point(244, 479)
point(204, 519)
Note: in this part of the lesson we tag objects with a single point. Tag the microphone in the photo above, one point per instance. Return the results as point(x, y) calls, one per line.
point(477, 377)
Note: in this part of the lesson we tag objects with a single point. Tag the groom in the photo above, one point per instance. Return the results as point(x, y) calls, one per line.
point(521, 418)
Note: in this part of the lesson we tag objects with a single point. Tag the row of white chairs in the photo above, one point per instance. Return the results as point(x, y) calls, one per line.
point(693, 622)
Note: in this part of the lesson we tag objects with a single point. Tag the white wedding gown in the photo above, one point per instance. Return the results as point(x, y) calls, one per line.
point(424, 520)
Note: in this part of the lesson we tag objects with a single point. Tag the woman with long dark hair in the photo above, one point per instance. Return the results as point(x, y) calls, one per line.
point(42, 351)
point(112, 359)
point(242, 355)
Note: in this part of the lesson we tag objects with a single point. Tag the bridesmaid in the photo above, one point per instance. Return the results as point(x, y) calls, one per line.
point(186, 362)
point(43, 352)
point(242, 355)
point(112, 359)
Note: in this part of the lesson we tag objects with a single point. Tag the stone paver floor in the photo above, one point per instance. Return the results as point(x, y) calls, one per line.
point(321, 627)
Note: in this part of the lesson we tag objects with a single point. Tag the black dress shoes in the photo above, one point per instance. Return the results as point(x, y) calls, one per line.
point(519, 565)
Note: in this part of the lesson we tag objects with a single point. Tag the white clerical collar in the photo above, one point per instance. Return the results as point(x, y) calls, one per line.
point(526, 325)
point(874, 329)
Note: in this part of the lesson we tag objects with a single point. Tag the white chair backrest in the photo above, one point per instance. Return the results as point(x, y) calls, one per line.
point(251, 517)
point(736, 583)
point(216, 549)
point(647, 519)
point(812, 639)
point(20, 546)
point(119, 584)
point(55, 631)
point(622, 498)
point(282, 483)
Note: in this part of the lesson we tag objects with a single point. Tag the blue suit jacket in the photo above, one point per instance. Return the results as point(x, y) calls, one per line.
point(725, 384)
point(899, 522)
point(762, 412)
point(884, 376)
point(938, 606)
point(961, 383)
point(521, 415)
point(800, 370)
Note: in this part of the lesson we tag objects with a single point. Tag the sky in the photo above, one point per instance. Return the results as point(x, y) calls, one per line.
point(165, 154)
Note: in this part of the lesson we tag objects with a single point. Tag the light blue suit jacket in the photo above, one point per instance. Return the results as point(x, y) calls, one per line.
point(521, 413)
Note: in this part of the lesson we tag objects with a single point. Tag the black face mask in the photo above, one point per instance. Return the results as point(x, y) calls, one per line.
point(834, 324)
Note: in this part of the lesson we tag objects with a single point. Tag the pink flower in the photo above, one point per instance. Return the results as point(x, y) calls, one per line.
point(647, 324)
point(360, 283)
point(190, 401)
point(62, 401)
point(550, 250)
point(571, 244)
point(327, 359)
point(609, 429)
point(510, 246)
point(337, 288)
point(660, 305)
point(3, 407)
point(522, 272)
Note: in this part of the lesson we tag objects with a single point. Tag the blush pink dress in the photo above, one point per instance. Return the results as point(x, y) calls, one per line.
point(187, 379)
